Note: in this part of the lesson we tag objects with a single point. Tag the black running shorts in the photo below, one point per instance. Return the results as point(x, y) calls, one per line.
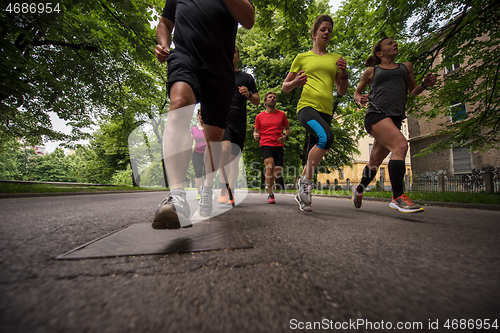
point(371, 118)
point(236, 135)
point(275, 152)
point(214, 93)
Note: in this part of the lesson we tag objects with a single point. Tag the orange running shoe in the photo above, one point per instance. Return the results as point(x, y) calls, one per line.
point(223, 196)
point(404, 205)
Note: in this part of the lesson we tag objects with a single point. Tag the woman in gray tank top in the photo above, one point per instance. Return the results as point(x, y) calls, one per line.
point(389, 84)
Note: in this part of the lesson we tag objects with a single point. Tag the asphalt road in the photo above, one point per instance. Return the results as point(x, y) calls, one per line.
point(354, 270)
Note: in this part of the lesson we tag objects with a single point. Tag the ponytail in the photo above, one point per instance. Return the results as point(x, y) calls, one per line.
point(374, 60)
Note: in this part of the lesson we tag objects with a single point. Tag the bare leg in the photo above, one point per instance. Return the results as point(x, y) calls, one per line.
point(277, 171)
point(313, 159)
point(390, 137)
point(224, 161)
point(198, 182)
point(269, 162)
point(213, 137)
point(173, 212)
point(234, 171)
point(176, 137)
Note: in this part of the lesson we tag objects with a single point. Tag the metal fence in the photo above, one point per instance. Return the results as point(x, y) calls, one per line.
point(474, 182)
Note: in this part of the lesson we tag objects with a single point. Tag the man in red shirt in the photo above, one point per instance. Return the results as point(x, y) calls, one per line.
point(269, 126)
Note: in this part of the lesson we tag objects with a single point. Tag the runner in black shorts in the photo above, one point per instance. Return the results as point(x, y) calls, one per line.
point(236, 130)
point(389, 84)
point(199, 70)
point(269, 126)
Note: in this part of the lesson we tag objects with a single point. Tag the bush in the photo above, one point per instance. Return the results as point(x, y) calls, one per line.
point(122, 177)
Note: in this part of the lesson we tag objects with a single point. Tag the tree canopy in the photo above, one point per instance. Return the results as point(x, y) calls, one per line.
point(89, 59)
point(93, 63)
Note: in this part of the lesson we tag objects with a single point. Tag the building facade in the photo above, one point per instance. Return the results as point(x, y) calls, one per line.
point(454, 162)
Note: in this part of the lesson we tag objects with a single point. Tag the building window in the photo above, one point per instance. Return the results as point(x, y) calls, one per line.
point(452, 68)
point(458, 111)
point(341, 173)
point(370, 147)
point(461, 160)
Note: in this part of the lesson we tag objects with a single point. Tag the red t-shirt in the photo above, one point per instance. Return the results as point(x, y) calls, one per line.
point(271, 126)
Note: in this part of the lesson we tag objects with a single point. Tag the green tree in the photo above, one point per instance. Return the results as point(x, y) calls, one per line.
point(52, 167)
point(465, 32)
point(70, 62)
point(470, 40)
point(11, 158)
point(268, 54)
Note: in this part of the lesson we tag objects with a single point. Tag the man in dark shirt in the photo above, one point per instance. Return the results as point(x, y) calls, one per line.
point(199, 70)
point(234, 135)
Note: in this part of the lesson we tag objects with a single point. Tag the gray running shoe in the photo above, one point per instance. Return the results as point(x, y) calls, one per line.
point(205, 207)
point(357, 198)
point(172, 213)
point(405, 205)
point(305, 207)
point(305, 191)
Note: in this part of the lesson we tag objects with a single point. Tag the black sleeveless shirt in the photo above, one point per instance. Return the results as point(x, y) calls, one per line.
point(389, 91)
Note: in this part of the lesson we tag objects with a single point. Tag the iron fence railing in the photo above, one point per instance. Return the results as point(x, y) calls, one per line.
point(474, 182)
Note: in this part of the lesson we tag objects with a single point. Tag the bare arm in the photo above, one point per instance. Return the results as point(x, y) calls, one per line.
point(341, 80)
point(242, 11)
point(288, 130)
point(285, 136)
point(164, 39)
point(413, 88)
point(366, 80)
point(254, 98)
point(256, 134)
point(293, 80)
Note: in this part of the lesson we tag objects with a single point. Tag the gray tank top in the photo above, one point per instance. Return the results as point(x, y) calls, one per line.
point(389, 91)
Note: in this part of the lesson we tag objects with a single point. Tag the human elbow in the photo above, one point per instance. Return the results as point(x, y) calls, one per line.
point(248, 21)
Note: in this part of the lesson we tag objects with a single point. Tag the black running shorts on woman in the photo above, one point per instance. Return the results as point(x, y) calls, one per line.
point(318, 125)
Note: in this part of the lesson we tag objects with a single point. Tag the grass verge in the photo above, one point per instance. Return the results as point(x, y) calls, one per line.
point(58, 188)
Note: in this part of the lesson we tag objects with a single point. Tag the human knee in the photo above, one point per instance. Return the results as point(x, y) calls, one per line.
point(269, 163)
point(277, 171)
point(401, 148)
point(178, 101)
point(226, 149)
point(325, 141)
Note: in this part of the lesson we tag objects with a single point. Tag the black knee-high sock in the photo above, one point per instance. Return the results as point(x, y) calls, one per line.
point(368, 175)
point(397, 174)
